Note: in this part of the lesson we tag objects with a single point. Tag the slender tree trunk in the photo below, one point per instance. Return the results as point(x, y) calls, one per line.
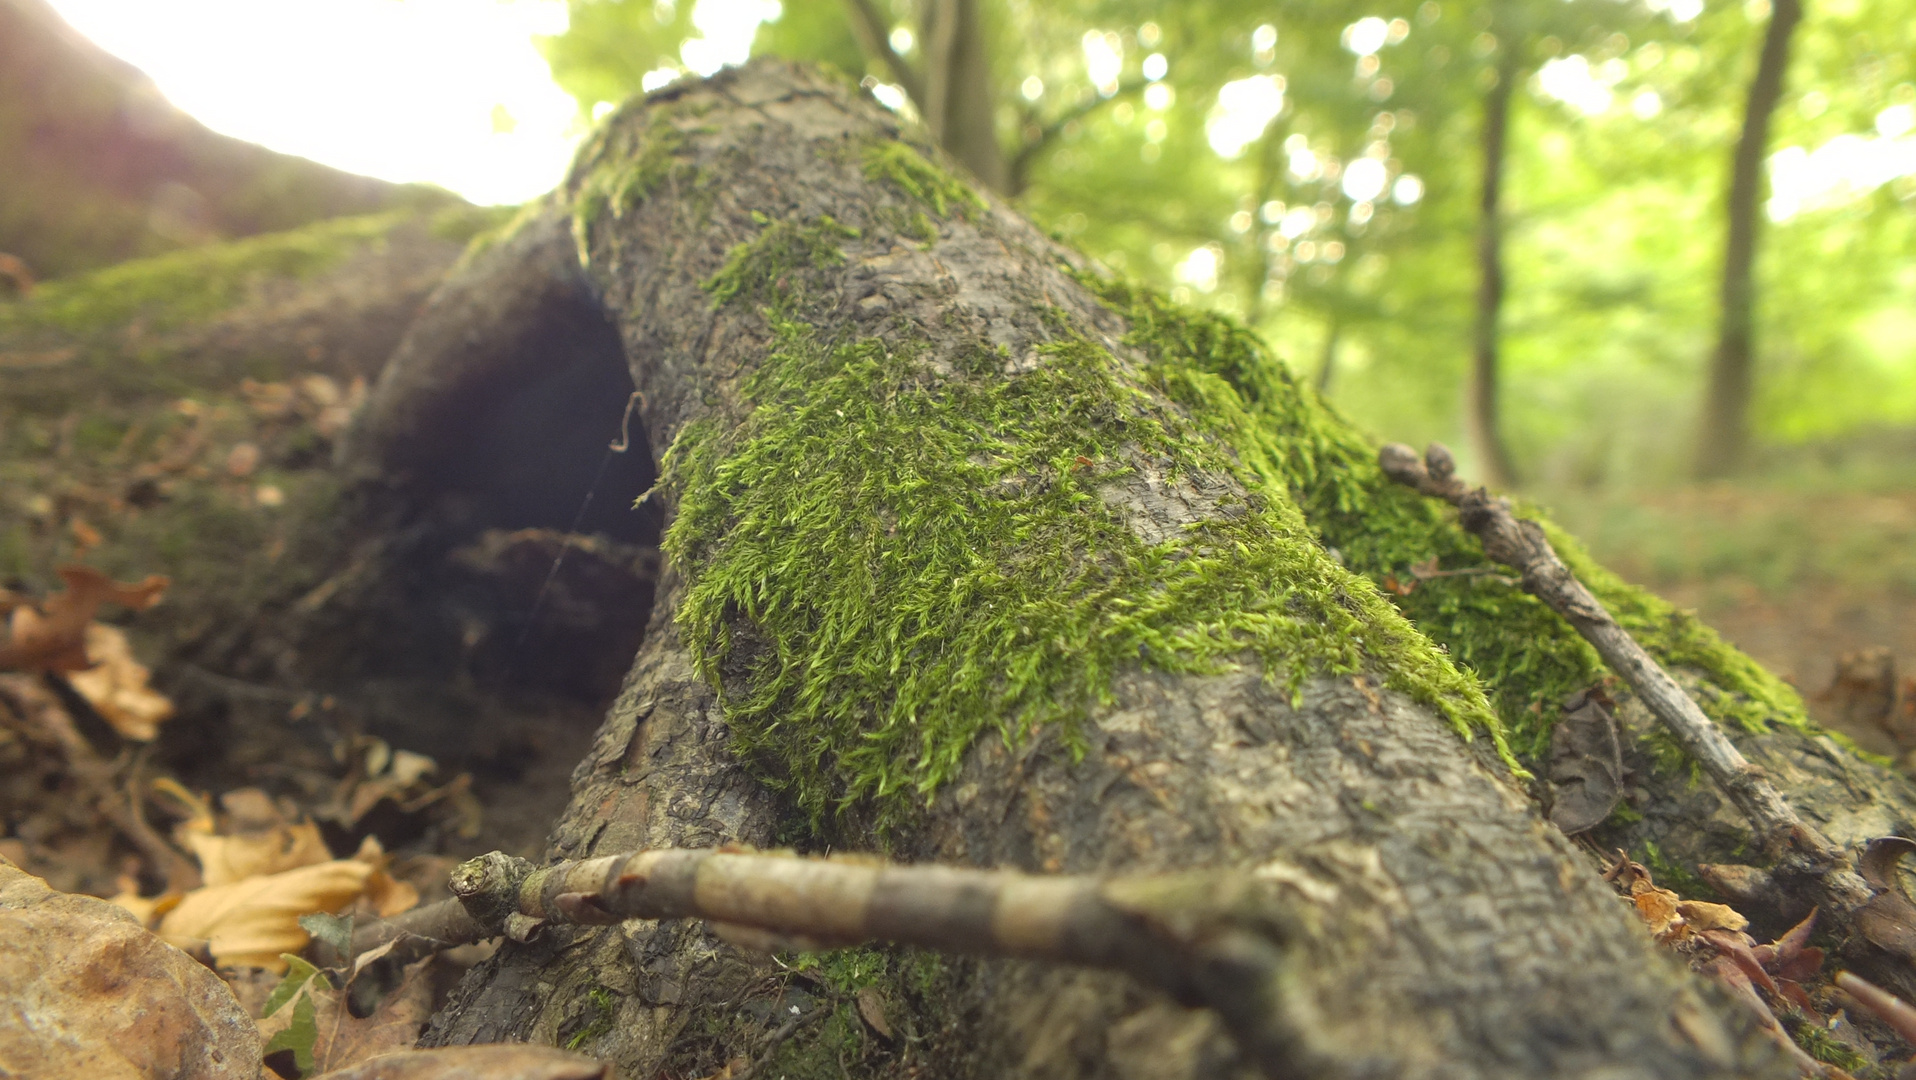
point(873, 444)
point(953, 87)
point(1481, 401)
point(959, 107)
point(1327, 360)
point(1726, 404)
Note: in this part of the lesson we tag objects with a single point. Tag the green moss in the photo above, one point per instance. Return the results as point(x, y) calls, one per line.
point(762, 270)
point(622, 182)
point(916, 562)
point(184, 286)
point(597, 1021)
point(1819, 1043)
point(944, 193)
point(1527, 658)
point(1675, 876)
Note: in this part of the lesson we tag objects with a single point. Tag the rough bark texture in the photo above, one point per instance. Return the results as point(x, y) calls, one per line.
point(1726, 401)
point(1445, 929)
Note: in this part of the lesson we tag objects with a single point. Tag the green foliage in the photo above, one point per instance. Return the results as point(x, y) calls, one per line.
point(1614, 229)
point(891, 565)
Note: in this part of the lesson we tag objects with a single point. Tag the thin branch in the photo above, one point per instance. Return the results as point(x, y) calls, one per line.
point(36, 705)
point(1522, 546)
point(1209, 938)
point(1021, 161)
point(875, 38)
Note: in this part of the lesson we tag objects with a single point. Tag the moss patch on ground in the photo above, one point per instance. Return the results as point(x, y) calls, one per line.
point(1525, 656)
point(186, 286)
point(921, 560)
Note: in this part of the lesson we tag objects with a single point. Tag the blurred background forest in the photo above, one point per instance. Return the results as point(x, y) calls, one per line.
point(1650, 262)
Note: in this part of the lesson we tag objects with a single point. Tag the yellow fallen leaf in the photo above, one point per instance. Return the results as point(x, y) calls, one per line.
point(1658, 910)
point(1699, 915)
point(116, 685)
point(226, 859)
point(249, 923)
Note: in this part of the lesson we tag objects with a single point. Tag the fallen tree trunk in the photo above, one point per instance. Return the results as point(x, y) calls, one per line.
point(976, 557)
point(980, 558)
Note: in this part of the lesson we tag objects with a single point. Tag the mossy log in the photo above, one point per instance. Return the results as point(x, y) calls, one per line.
point(974, 555)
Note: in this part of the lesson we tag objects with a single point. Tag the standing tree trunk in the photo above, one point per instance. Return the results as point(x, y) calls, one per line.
point(978, 558)
point(953, 87)
point(1726, 403)
point(1481, 405)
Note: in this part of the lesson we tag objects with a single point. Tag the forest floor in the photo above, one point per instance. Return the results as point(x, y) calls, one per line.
point(1798, 574)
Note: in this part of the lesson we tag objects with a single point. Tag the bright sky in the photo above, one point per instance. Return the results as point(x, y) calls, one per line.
point(450, 92)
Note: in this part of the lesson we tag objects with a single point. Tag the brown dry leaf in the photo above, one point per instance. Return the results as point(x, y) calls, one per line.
point(258, 839)
point(249, 923)
point(227, 859)
point(1658, 910)
point(53, 638)
point(269, 401)
point(505, 1061)
point(872, 1008)
point(342, 1040)
point(106, 998)
point(242, 460)
point(1699, 916)
point(116, 685)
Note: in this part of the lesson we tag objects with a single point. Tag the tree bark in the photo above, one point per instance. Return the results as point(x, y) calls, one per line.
point(742, 251)
point(1725, 438)
point(1436, 925)
point(1482, 405)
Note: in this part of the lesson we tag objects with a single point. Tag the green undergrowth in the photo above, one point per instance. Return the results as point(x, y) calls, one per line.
point(1527, 658)
point(886, 564)
point(185, 286)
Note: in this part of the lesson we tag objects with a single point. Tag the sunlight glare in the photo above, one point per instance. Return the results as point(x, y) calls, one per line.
point(1841, 170)
point(446, 92)
point(1245, 107)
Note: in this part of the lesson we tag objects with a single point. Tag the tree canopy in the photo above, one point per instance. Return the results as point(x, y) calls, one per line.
point(1314, 168)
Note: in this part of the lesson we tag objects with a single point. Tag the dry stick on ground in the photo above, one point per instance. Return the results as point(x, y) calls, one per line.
point(1522, 546)
point(37, 706)
point(1193, 935)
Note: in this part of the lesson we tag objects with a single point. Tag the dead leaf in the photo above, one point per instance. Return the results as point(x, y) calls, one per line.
point(506, 1061)
point(1700, 916)
point(85, 536)
point(256, 853)
point(249, 923)
point(242, 460)
point(872, 1008)
point(106, 998)
point(307, 1017)
point(1398, 588)
point(53, 638)
point(116, 685)
point(1658, 910)
point(1586, 765)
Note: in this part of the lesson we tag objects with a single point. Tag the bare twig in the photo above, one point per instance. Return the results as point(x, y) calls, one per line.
point(1208, 938)
point(875, 38)
point(1522, 546)
point(35, 704)
point(445, 922)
